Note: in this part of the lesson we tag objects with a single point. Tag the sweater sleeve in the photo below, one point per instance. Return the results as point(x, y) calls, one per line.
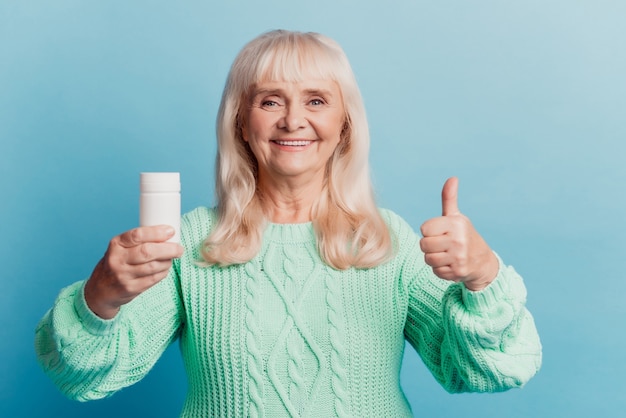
point(483, 341)
point(90, 358)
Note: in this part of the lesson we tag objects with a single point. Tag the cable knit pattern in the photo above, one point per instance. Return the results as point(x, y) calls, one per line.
point(296, 361)
point(285, 335)
point(337, 355)
point(295, 343)
point(253, 328)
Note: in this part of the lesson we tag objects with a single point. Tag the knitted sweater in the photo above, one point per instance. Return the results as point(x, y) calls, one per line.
point(285, 335)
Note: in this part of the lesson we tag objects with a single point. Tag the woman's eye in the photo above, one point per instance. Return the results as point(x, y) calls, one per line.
point(317, 102)
point(268, 103)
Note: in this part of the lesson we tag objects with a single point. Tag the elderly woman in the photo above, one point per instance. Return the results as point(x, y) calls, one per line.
point(294, 297)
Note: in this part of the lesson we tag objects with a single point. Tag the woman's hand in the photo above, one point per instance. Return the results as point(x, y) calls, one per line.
point(134, 261)
point(453, 248)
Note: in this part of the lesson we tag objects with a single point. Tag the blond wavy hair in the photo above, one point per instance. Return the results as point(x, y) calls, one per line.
point(349, 229)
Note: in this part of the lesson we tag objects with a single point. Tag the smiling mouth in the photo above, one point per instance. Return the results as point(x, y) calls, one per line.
point(292, 143)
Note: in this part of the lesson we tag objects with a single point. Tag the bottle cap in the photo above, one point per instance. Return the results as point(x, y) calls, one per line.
point(159, 182)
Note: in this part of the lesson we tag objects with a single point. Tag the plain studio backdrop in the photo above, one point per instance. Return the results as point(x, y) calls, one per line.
point(524, 101)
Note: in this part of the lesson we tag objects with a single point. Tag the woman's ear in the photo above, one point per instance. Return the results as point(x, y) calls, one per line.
point(345, 131)
point(343, 146)
point(344, 137)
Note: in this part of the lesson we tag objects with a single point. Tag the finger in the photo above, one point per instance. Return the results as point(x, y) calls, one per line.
point(125, 291)
point(438, 260)
point(446, 273)
point(138, 236)
point(152, 271)
point(154, 251)
point(438, 244)
point(449, 200)
point(436, 227)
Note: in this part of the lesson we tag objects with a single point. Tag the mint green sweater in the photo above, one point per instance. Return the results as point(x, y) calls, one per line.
point(285, 335)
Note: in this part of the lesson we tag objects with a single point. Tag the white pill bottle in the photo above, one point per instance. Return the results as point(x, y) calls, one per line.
point(159, 201)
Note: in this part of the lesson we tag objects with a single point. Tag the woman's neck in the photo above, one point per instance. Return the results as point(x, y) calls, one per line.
point(289, 202)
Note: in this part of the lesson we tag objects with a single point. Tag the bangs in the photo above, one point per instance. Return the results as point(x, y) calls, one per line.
point(297, 57)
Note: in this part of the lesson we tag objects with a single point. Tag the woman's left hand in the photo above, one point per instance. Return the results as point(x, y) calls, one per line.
point(453, 248)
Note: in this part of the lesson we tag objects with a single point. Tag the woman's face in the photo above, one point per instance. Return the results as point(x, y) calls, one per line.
point(294, 128)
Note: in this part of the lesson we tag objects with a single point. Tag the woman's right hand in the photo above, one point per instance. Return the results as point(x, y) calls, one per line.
point(135, 261)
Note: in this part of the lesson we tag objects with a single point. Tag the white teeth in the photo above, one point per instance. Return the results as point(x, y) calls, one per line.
point(293, 143)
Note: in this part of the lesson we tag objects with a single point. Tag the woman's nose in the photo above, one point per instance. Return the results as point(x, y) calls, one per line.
point(294, 118)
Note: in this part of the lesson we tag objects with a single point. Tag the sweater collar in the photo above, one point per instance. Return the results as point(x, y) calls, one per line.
point(289, 233)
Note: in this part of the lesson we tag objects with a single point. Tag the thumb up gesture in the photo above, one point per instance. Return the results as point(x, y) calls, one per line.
point(453, 248)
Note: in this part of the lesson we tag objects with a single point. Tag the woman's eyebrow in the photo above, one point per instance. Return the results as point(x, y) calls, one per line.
point(313, 91)
point(266, 92)
point(318, 92)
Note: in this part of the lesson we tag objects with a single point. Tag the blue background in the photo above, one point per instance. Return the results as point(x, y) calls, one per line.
point(524, 101)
